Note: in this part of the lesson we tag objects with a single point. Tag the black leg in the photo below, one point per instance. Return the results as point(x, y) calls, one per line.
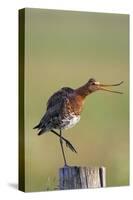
point(63, 153)
point(68, 144)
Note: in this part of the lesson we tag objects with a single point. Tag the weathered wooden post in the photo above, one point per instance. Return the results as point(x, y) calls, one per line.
point(81, 177)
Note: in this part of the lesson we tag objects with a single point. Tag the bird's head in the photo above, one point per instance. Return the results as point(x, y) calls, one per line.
point(93, 86)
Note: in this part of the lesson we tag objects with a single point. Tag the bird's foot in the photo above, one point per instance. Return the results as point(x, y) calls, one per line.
point(68, 144)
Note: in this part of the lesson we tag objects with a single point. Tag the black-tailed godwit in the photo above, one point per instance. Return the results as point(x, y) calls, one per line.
point(64, 108)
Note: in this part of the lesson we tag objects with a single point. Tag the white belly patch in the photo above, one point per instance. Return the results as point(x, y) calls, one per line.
point(71, 121)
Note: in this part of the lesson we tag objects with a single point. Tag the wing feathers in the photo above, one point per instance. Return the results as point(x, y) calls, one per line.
point(54, 109)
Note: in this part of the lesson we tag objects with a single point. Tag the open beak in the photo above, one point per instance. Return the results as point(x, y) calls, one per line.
point(105, 87)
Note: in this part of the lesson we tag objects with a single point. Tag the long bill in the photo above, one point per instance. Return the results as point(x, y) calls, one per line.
point(104, 87)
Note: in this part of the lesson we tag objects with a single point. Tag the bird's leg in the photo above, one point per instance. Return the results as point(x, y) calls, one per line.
point(68, 144)
point(61, 143)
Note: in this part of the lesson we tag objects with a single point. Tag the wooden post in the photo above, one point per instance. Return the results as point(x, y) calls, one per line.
point(81, 177)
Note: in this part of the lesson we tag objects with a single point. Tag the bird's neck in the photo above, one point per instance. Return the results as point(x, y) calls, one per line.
point(83, 91)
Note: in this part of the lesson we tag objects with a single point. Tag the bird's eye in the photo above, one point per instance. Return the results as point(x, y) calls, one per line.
point(93, 83)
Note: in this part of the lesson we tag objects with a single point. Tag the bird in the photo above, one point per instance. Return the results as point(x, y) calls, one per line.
point(64, 108)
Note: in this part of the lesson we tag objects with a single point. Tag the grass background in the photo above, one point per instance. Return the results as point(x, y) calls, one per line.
point(66, 49)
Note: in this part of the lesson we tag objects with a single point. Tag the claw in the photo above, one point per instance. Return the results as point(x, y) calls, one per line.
point(68, 144)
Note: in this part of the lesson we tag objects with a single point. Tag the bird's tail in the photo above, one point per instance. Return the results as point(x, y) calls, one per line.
point(41, 130)
point(37, 126)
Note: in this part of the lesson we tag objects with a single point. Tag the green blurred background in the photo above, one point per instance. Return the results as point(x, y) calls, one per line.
point(66, 49)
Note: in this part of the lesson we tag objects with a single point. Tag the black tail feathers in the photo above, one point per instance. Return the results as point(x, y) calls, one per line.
point(42, 129)
point(37, 126)
point(40, 132)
